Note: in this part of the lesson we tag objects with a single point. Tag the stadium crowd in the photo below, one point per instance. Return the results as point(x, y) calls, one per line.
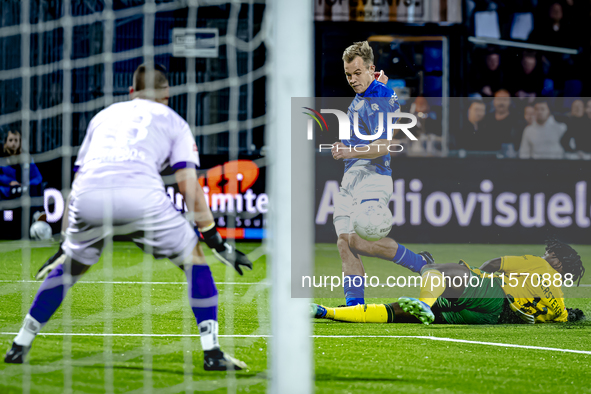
point(537, 130)
point(504, 127)
point(523, 103)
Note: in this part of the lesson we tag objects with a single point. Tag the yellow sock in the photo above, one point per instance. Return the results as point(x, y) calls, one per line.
point(432, 286)
point(372, 313)
point(329, 313)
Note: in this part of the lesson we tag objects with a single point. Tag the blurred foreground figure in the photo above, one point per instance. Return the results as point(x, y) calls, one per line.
point(117, 190)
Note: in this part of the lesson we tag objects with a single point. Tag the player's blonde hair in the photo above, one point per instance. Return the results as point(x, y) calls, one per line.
point(361, 49)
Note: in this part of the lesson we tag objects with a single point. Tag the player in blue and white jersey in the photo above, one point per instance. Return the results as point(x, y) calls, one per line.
point(368, 175)
point(117, 190)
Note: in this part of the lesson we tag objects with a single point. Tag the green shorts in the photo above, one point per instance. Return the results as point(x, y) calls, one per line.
point(482, 304)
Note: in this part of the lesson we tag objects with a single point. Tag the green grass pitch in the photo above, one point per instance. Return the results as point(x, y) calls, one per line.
point(348, 358)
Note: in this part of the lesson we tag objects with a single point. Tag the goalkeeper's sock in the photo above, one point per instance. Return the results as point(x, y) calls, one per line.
point(51, 293)
point(208, 330)
point(432, 286)
point(354, 290)
point(31, 327)
point(409, 259)
point(372, 313)
point(203, 297)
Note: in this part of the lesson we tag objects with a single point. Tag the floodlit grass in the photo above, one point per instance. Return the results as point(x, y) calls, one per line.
point(172, 363)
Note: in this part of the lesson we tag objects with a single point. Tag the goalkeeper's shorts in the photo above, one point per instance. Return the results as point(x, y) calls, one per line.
point(479, 304)
point(359, 183)
point(143, 216)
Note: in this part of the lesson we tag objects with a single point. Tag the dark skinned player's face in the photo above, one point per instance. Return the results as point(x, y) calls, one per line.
point(358, 75)
point(553, 261)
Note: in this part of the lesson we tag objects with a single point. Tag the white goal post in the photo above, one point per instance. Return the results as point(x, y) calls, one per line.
point(290, 74)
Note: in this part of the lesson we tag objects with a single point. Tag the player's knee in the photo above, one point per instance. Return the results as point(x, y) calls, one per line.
point(353, 240)
point(191, 261)
point(198, 257)
point(198, 260)
point(357, 244)
point(393, 245)
point(343, 243)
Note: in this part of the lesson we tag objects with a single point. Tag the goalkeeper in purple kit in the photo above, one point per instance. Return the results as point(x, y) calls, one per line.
point(117, 190)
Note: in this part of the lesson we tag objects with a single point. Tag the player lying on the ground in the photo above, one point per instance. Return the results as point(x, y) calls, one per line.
point(368, 175)
point(117, 190)
point(509, 289)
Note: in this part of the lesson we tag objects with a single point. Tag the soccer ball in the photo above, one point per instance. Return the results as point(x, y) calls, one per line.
point(372, 220)
point(40, 231)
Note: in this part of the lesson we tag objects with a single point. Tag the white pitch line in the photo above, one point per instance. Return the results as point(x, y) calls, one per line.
point(443, 339)
point(553, 349)
point(132, 282)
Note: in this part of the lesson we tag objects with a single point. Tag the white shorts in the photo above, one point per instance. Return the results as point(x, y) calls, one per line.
point(146, 216)
point(359, 184)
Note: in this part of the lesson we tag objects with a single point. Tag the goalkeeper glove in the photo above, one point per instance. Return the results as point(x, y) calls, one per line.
point(529, 319)
point(224, 252)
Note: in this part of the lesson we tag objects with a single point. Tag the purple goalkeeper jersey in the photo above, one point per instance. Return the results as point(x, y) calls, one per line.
point(128, 144)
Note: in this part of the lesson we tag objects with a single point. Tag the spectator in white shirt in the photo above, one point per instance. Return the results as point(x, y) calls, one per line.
point(541, 140)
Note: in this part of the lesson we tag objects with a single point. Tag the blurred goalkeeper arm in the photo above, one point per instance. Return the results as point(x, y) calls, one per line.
point(206, 226)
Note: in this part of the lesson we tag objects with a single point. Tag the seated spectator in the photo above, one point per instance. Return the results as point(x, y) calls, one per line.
point(501, 127)
point(529, 115)
point(541, 140)
point(529, 118)
point(470, 136)
point(578, 134)
point(11, 174)
point(557, 29)
point(576, 14)
point(427, 131)
point(488, 77)
point(553, 30)
point(528, 80)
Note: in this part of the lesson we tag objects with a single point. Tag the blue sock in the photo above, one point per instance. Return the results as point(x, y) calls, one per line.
point(409, 259)
point(50, 295)
point(203, 295)
point(354, 290)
